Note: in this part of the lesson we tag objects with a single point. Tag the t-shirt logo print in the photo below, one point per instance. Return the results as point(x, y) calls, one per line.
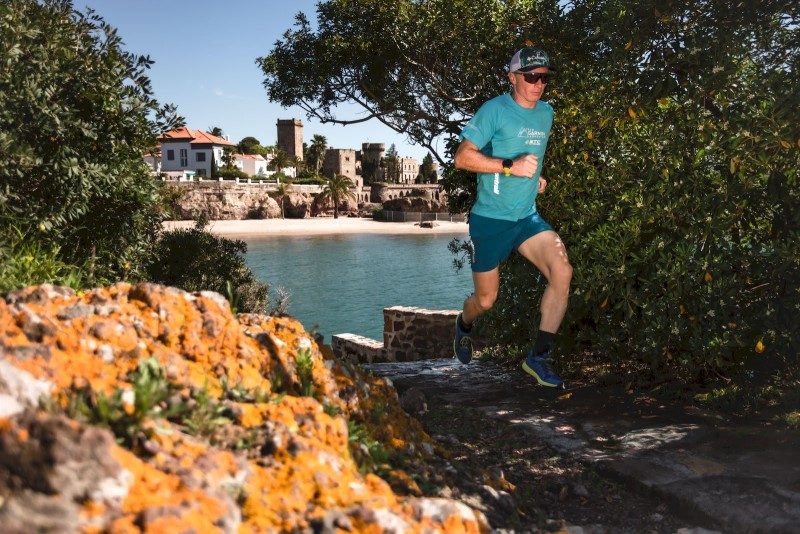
point(533, 136)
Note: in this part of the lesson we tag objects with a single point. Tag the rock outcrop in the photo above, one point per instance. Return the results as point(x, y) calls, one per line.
point(231, 201)
point(146, 408)
point(223, 201)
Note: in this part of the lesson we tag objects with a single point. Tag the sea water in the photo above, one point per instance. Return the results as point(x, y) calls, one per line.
point(341, 283)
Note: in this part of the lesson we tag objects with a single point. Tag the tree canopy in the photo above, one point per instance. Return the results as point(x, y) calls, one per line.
point(427, 171)
point(77, 113)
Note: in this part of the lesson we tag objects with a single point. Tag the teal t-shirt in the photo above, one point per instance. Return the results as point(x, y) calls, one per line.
point(503, 129)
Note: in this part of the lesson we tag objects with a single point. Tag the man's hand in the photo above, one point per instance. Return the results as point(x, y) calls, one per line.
point(542, 184)
point(525, 166)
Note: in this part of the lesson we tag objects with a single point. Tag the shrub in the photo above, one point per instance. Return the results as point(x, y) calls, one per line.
point(232, 174)
point(310, 180)
point(196, 260)
point(26, 261)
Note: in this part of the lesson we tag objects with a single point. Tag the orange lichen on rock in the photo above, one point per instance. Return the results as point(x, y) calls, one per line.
point(163, 501)
point(228, 424)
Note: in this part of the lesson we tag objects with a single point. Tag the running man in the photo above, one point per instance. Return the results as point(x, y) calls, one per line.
point(504, 144)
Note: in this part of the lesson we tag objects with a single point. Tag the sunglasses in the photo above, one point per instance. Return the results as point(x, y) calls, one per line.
point(533, 77)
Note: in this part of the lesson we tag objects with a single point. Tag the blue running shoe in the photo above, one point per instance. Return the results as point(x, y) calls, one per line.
point(540, 368)
point(462, 344)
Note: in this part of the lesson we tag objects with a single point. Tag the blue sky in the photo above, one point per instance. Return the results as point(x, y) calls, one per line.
point(204, 55)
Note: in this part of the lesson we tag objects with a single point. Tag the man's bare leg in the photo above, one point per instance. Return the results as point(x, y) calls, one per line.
point(547, 252)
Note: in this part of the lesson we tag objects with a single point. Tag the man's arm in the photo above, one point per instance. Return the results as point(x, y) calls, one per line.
point(469, 158)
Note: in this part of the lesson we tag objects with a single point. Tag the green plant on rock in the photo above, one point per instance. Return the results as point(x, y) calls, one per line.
point(305, 367)
point(369, 454)
point(205, 415)
point(239, 393)
point(126, 409)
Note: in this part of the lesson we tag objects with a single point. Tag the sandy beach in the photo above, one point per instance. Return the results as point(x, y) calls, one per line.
point(319, 226)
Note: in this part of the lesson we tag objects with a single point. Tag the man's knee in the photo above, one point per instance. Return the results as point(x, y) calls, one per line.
point(485, 301)
point(561, 275)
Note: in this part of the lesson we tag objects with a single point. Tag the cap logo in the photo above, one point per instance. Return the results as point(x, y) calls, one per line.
point(534, 57)
point(529, 57)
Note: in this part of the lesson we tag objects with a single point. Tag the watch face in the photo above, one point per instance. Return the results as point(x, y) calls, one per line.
point(508, 163)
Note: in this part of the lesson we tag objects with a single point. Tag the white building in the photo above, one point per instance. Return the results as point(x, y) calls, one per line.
point(252, 164)
point(409, 169)
point(185, 149)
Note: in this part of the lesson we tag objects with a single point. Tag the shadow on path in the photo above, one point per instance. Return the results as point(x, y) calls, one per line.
point(734, 477)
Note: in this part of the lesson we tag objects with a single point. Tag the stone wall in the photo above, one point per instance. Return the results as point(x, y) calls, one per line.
point(381, 192)
point(408, 334)
point(353, 347)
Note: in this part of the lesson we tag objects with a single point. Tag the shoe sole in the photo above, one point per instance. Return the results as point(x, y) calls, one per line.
point(538, 379)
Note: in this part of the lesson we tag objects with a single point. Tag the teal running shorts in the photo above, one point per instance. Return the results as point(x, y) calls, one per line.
point(494, 239)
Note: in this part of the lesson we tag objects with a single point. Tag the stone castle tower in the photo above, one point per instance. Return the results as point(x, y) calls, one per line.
point(290, 137)
point(371, 156)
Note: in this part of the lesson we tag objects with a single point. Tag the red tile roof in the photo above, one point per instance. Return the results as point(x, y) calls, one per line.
point(250, 156)
point(195, 137)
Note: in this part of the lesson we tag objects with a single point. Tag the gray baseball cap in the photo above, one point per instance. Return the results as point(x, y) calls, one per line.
point(528, 59)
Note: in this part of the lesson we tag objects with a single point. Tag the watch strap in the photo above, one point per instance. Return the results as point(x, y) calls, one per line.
point(507, 164)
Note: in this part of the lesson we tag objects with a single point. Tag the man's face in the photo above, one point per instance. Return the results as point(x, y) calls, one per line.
point(525, 92)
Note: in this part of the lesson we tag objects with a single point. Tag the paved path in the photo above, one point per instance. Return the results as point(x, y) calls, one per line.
point(732, 477)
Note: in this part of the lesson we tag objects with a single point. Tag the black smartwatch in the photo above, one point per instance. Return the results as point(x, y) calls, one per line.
point(507, 164)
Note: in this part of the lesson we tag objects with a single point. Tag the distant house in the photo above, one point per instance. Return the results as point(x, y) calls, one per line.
point(185, 149)
point(252, 164)
point(409, 169)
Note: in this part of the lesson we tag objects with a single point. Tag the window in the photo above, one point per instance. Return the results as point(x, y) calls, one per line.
point(200, 156)
point(170, 155)
point(184, 158)
point(201, 172)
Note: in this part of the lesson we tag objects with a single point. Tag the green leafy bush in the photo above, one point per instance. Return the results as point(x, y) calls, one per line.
point(673, 179)
point(310, 180)
point(196, 260)
point(76, 114)
point(677, 195)
point(232, 174)
point(26, 261)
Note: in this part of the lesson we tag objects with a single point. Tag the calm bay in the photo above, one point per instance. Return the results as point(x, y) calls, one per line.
point(341, 283)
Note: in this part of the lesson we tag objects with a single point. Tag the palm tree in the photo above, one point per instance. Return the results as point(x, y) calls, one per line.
point(283, 190)
point(298, 165)
point(215, 130)
point(319, 144)
point(336, 189)
point(280, 160)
